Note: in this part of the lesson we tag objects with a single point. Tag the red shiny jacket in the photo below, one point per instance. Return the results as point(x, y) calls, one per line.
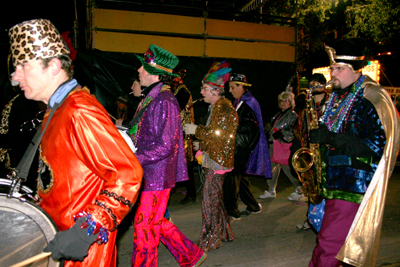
point(86, 165)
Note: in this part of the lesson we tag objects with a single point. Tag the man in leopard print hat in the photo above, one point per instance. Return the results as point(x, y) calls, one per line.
point(34, 40)
point(88, 175)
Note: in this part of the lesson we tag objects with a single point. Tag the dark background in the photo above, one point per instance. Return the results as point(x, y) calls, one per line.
point(109, 75)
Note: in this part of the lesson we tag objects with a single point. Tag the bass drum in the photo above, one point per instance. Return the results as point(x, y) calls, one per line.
point(25, 229)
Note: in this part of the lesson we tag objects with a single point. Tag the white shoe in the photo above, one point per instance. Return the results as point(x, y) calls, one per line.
point(267, 195)
point(303, 226)
point(295, 196)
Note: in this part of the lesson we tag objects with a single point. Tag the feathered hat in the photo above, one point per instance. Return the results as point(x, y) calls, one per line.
point(181, 77)
point(218, 74)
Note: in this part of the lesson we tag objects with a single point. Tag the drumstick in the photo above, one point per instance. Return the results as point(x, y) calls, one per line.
point(112, 116)
point(32, 259)
point(38, 237)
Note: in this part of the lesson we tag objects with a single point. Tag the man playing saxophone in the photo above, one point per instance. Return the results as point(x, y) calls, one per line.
point(359, 138)
point(184, 97)
point(316, 100)
point(317, 87)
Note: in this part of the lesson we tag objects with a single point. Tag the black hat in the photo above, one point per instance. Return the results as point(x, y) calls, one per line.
point(349, 51)
point(318, 77)
point(239, 78)
point(123, 99)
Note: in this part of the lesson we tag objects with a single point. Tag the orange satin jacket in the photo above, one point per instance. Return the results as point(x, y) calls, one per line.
point(86, 165)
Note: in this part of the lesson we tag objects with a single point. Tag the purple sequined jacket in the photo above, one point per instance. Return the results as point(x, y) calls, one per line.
point(160, 142)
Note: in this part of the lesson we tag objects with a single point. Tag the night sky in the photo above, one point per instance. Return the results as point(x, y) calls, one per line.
point(62, 14)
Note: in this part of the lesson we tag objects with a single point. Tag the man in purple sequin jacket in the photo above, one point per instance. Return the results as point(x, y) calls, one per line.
point(156, 131)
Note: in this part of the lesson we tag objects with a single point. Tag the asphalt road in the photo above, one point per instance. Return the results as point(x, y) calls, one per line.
point(269, 238)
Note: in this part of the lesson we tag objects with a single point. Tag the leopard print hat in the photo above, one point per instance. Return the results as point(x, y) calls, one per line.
point(35, 39)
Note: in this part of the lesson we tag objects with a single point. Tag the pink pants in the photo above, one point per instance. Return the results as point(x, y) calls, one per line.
point(339, 215)
point(151, 227)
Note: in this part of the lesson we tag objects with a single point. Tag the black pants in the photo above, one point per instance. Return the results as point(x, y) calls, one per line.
point(190, 184)
point(237, 185)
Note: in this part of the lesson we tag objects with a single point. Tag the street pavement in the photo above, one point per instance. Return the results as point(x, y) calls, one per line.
point(269, 238)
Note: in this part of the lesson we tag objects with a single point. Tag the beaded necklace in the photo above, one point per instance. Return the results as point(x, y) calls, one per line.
point(135, 129)
point(333, 117)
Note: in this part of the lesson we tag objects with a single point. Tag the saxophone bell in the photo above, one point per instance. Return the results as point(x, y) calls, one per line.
point(302, 159)
point(307, 160)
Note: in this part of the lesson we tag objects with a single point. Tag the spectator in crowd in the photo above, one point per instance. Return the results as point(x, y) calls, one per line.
point(280, 139)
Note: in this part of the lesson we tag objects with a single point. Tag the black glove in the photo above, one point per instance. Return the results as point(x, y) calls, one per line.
point(72, 244)
point(277, 135)
point(322, 136)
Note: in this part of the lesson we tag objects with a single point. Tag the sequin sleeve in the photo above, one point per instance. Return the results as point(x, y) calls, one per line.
point(163, 133)
point(363, 128)
point(285, 124)
point(218, 137)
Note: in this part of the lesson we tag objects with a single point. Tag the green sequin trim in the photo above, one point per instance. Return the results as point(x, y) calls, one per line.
point(133, 130)
point(366, 160)
point(335, 194)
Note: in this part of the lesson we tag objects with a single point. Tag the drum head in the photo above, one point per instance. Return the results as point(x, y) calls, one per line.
point(25, 231)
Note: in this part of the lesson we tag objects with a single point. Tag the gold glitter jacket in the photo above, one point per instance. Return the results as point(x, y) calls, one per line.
point(217, 139)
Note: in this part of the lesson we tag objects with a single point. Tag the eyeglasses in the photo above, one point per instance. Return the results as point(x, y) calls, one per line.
point(284, 100)
point(338, 69)
point(205, 88)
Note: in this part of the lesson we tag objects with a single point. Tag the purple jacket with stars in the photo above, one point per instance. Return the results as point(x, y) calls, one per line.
point(160, 143)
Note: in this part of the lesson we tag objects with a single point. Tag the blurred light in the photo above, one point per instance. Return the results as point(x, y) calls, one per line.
point(385, 54)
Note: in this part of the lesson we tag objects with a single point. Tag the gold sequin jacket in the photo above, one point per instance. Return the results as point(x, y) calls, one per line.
point(217, 139)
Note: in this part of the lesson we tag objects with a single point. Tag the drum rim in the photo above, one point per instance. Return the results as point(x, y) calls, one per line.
point(4, 181)
point(36, 214)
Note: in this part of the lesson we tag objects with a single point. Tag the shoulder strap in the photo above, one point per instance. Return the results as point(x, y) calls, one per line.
point(24, 165)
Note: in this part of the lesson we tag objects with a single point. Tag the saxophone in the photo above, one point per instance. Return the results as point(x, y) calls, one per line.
point(307, 160)
point(187, 116)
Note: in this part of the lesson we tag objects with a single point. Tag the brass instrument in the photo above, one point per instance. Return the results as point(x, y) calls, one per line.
point(307, 160)
point(187, 117)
